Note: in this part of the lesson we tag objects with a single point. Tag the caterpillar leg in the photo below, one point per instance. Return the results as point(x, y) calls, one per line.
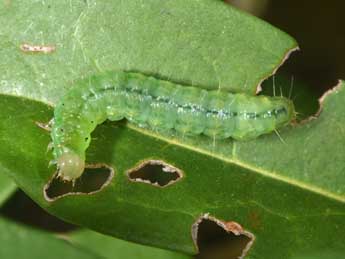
point(50, 146)
point(45, 126)
point(52, 163)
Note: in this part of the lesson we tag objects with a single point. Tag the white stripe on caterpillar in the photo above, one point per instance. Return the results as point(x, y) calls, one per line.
point(157, 104)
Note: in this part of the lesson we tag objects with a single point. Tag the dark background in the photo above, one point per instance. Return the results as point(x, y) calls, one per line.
point(318, 27)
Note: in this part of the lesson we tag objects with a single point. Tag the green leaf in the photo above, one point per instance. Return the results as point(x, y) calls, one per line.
point(7, 187)
point(280, 199)
point(18, 241)
point(289, 195)
point(205, 43)
point(113, 248)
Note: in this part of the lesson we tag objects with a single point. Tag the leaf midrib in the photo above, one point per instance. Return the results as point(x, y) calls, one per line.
point(272, 175)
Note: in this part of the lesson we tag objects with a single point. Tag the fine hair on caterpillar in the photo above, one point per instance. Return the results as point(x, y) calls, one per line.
point(156, 104)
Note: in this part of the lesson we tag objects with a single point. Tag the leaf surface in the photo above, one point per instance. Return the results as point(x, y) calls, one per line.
point(7, 187)
point(114, 248)
point(19, 241)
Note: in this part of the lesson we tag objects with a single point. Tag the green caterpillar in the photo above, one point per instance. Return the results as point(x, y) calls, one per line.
point(150, 102)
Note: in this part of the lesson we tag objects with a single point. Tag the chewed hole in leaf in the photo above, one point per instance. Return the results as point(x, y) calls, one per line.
point(219, 239)
point(93, 180)
point(155, 172)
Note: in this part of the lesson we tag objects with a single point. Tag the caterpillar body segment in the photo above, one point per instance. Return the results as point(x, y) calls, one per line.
point(157, 104)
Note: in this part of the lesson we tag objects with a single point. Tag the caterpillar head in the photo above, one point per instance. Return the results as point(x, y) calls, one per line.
point(285, 112)
point(70, 166)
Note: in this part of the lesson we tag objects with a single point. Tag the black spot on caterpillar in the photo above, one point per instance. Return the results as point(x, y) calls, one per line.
point(150, 102)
